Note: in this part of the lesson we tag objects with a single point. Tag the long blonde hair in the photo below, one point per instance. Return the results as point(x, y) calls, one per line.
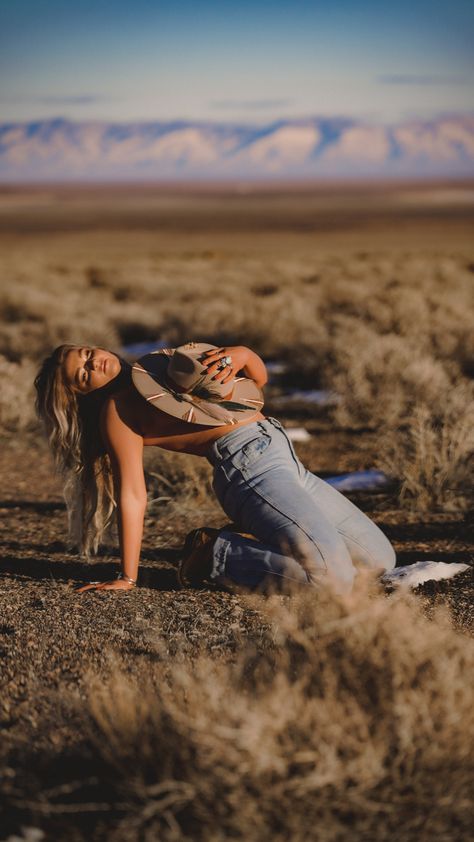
point(71, 422)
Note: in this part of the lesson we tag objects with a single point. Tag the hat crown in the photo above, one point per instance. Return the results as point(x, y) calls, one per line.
point(187, 372)
point(176, 382)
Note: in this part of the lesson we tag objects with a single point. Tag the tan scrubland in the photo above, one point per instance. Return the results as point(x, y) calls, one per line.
point(378, 311)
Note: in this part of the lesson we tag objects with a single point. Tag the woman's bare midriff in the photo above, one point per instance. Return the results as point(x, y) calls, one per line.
point(162, 430)
point(198, 441)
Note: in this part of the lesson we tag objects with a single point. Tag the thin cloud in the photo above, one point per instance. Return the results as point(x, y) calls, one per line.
point(81, 99)
point(76, 99)
point(251, 104)
point(413, 79)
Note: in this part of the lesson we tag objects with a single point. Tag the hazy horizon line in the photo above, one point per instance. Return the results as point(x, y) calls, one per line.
point(438, 115)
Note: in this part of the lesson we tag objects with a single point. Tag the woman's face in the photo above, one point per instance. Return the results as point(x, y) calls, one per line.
point(87, 369)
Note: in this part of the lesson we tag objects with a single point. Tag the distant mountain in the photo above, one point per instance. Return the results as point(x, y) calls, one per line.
point(315, 147)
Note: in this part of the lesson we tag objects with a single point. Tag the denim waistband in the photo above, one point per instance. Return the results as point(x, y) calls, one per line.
point(233, 441)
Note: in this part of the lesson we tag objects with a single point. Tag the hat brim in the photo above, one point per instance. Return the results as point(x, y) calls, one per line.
point(149, 376)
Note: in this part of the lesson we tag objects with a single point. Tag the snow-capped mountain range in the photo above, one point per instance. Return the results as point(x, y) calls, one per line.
point(60, 149)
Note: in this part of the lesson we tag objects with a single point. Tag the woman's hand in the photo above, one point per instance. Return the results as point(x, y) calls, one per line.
point(242, 359)
point(214, 360)
point(114, 585)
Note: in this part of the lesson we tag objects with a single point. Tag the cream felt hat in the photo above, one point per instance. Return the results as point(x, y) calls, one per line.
point(176, 381)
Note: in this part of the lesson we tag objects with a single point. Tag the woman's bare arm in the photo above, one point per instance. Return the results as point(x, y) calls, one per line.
point(125, 448)
point(243, 359)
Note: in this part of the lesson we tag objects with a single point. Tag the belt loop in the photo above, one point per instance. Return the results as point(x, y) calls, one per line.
point(214, 454)
point(275, 422)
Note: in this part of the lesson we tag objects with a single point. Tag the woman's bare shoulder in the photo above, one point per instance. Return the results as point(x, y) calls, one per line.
point(121, 412)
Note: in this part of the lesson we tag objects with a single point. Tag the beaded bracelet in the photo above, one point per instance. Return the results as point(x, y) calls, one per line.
point(126, 578)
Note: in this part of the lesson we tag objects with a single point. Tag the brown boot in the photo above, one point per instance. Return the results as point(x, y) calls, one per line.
point(196, 565)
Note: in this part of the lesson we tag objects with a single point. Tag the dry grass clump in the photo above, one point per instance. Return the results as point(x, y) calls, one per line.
point(433, 454)
point(424, 303)
point(45, 312)
point(388, 331)
point(17, 409)
point(354, 717)
point(397, 342)
point(358, 324)
point(178, 479)
point(381, 377)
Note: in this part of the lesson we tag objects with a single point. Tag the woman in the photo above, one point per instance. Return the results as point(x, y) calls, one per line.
point(100, 412)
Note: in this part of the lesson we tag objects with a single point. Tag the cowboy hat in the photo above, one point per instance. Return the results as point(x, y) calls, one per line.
point(176, 381)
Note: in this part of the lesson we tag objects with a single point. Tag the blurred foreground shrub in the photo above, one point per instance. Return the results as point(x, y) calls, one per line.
point(353, 717)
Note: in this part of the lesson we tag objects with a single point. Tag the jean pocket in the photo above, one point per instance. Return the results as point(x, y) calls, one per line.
point(251, 452)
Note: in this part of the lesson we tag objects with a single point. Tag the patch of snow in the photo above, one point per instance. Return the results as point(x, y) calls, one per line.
point(415, 574)
point(370, 480)
point(139, 349)
point(274, 367)
point(320, 397)
point(286, 145)
point(363, 143)
point(298, 434)
point(58, 148)
point(28, 834)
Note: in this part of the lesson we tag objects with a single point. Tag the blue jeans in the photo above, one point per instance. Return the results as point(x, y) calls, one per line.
point(306, 531)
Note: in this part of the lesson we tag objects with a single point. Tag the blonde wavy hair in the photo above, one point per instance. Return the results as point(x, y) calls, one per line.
point(71, 423)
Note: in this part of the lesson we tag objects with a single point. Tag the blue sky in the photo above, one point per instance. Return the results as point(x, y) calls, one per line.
point(227, 61)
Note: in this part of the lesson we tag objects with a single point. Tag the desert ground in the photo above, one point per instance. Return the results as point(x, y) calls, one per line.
point(173, 714)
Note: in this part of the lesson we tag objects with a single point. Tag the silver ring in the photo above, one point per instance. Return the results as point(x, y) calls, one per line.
point(224, 362)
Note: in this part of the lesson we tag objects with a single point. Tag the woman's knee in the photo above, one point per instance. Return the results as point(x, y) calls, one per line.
point(375, 552)
point(388, 558)
point(326, 560)
point(381, 550)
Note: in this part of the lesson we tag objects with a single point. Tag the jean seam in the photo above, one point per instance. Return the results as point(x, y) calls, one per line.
point(222, 468)
point(291, 520)
point(291, 449)
point(359, 544)
point(221, 551)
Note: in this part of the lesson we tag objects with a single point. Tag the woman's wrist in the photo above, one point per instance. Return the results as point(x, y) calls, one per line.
point(123, 576)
